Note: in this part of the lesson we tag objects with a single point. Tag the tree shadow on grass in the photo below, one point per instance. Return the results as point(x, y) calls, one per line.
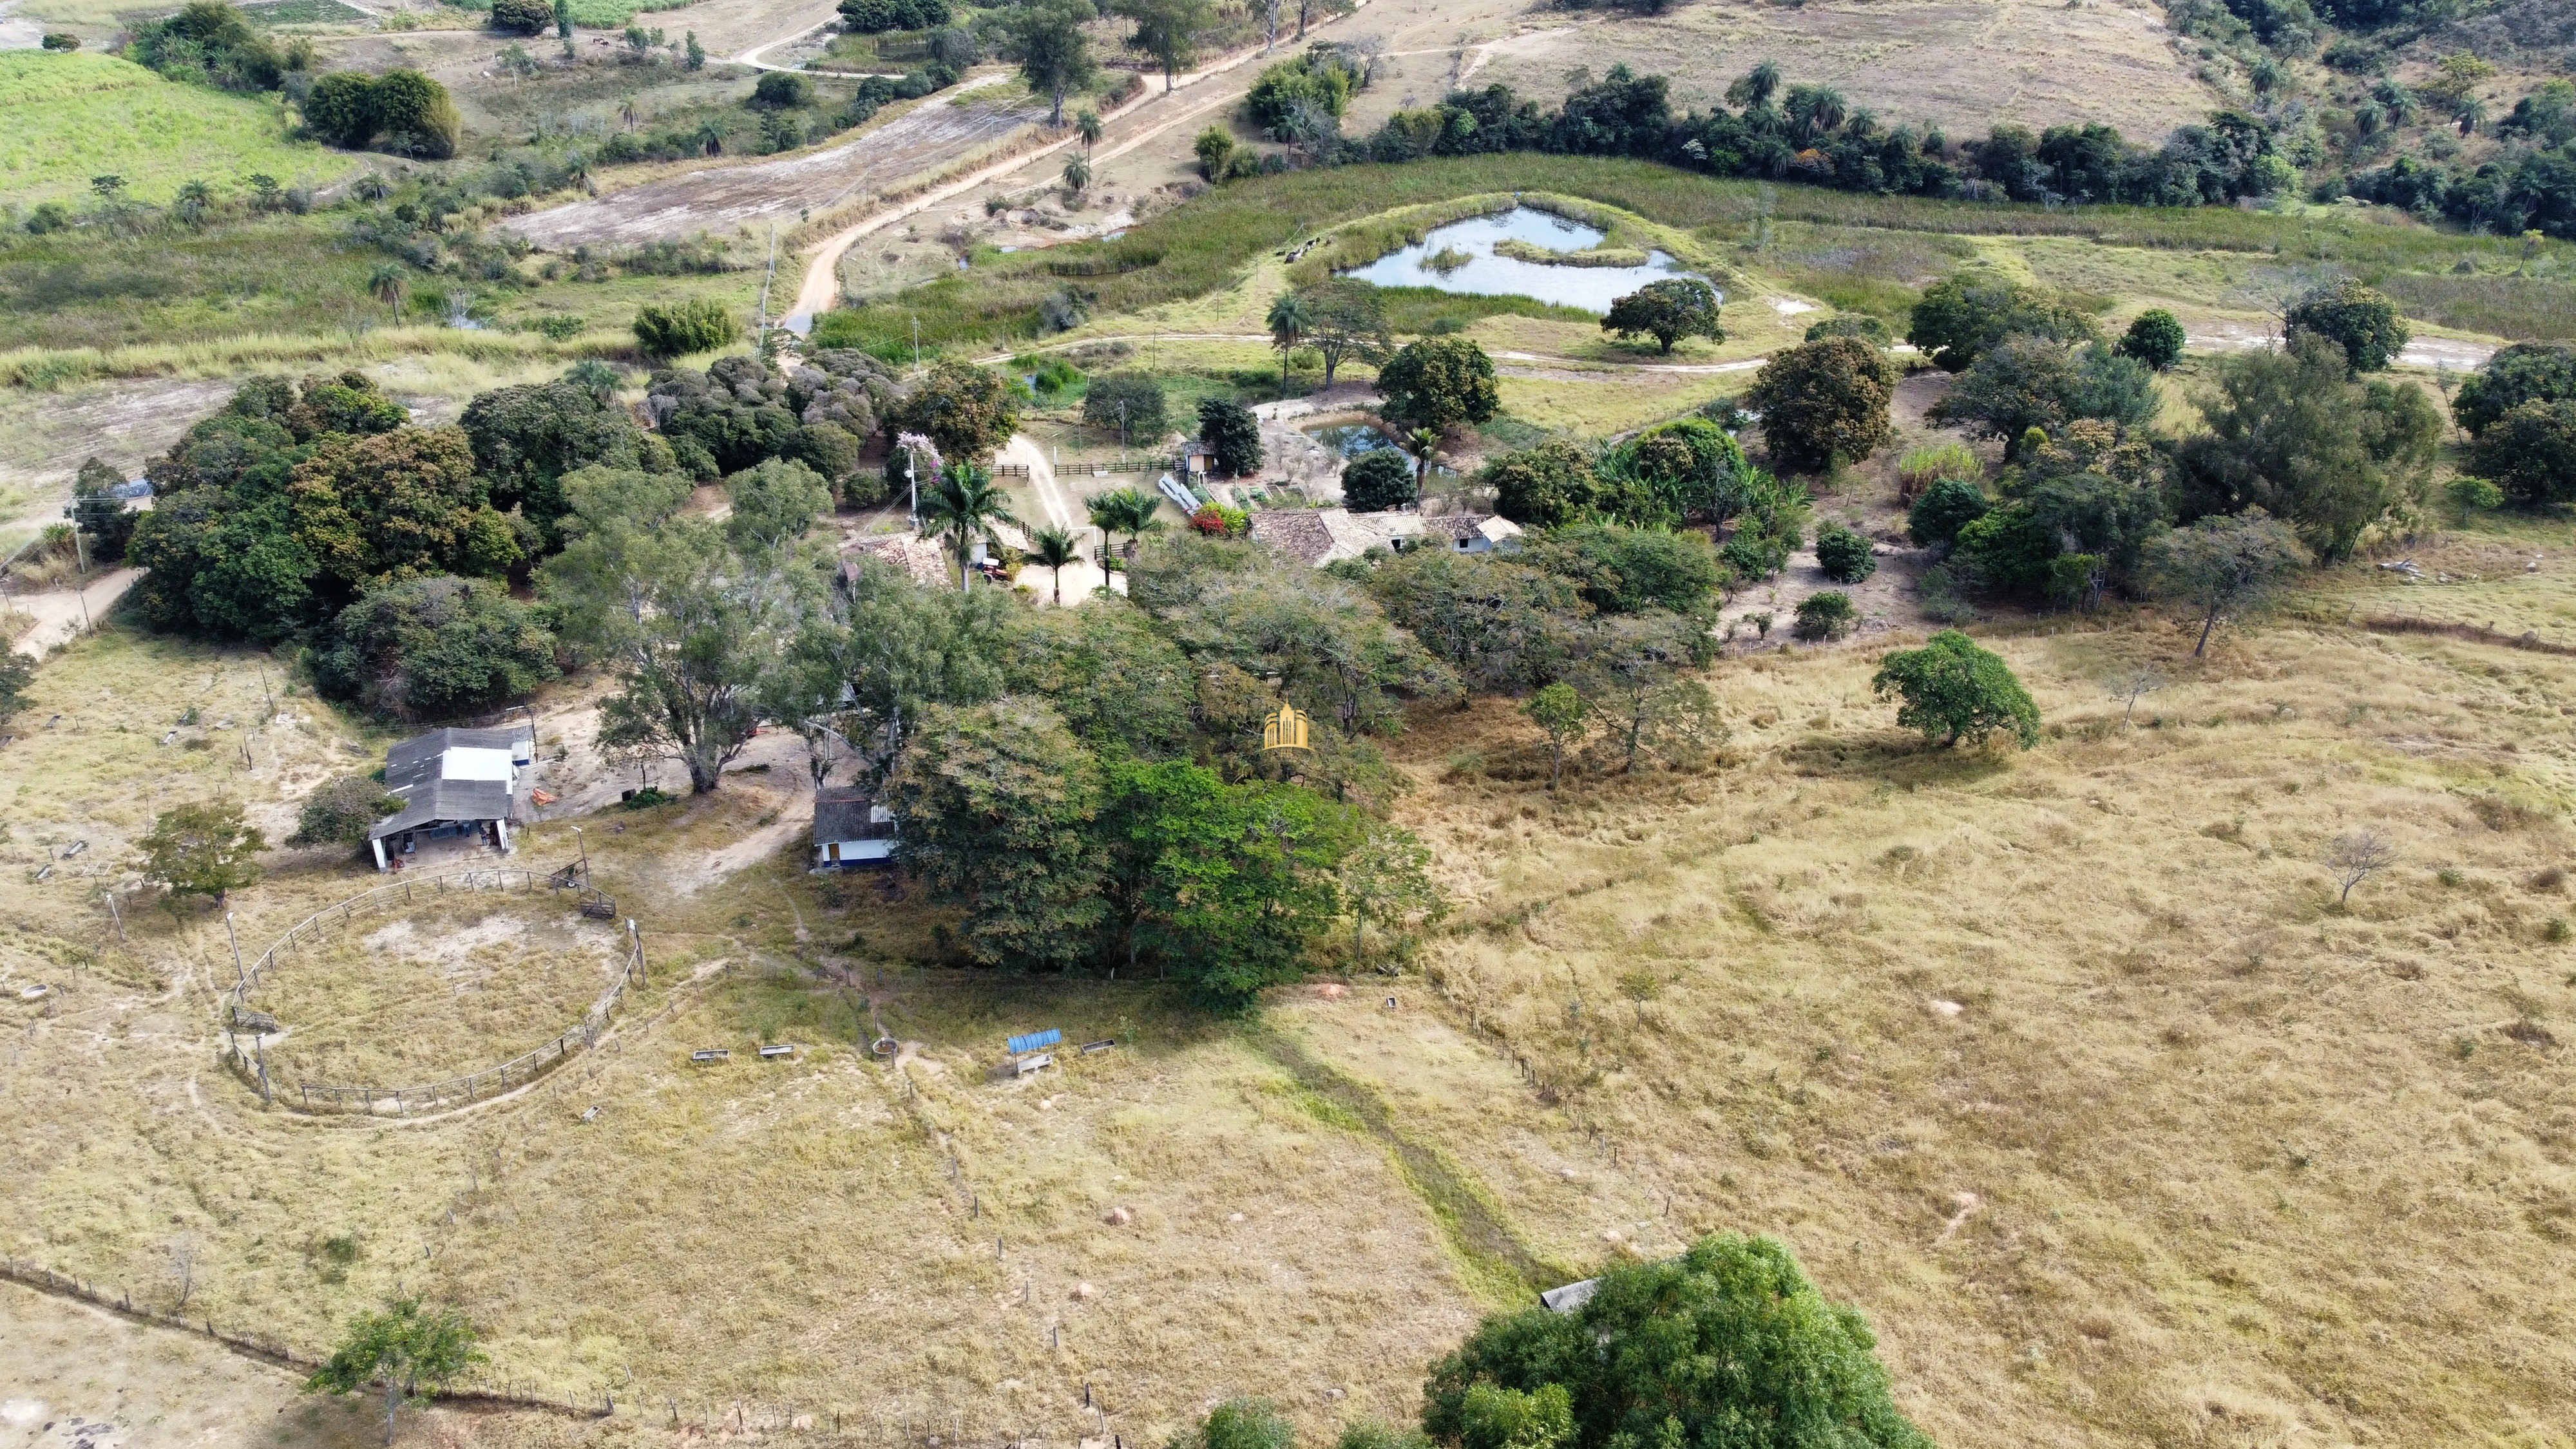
point(1895, 758)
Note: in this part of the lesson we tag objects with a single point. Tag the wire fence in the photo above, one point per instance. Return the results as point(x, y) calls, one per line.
point(896, 1425)
point(405, 1101)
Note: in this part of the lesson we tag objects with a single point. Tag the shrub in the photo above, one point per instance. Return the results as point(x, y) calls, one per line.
point(1952, 690)
point(1826, 615)
point(2530, 454)
point(415, 117)
point(1922, 467)
point(2524, 372)
point(1376, 481)
point(1845, 556)
point(2474, 495)
point(2155, 339)
point(1868, 329)
point(780, 89)
point(699, 325)
point(523, 17)
point(341, 109)
point(60, 40)
point(2357, 319)
point(342, 811)
point(1823, 402)
point(1944, 509)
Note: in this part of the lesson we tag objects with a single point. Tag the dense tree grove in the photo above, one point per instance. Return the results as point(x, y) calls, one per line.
point(1805, 133)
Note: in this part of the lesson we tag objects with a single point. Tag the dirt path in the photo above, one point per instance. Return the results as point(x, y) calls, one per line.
point(1154, 112)
point(721, 198)
point(62, 614)
point(1056, 505)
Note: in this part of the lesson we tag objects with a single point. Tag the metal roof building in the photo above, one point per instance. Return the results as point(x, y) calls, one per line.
point(452, 780)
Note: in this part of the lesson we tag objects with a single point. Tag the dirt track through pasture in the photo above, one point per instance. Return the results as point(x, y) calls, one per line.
point(720, 198)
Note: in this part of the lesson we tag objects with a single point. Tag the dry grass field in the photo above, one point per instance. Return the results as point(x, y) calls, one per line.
point(2065, 1066)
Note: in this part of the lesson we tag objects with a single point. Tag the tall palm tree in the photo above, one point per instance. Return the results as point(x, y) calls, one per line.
point(963, 506)
point(1291, 318)
point(1130, 511)
point(1087, 126)
point(1755, 89)
point(1055, 547)
point(389, 284)
point(1077, 175)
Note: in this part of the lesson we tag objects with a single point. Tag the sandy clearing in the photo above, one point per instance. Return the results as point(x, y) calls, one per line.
point(61, 614)
point(721, 198)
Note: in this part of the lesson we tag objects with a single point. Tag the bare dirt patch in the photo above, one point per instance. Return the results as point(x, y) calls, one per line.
point(1963, 64)
point(720, 198)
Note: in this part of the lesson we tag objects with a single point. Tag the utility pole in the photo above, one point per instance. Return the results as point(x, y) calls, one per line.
point(916, 340)
point(239, 978)
point(584, 842)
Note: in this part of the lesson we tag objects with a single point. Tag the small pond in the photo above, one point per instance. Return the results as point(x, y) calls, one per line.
point(1484, 274)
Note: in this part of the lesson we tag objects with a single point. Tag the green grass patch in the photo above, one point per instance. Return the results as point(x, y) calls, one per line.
point(1206, 245)
point(305, 12)
point(1428, 309)
point(72, 117)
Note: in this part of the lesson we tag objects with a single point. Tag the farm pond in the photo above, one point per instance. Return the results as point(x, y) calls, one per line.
point(1460, 257)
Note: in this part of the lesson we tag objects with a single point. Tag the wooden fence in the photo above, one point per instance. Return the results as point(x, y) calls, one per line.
point(404, 1101)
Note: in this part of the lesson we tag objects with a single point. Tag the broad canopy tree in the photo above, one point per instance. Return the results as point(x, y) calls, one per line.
point(689, 620)
point(1728, 1345)
point(1667, 311)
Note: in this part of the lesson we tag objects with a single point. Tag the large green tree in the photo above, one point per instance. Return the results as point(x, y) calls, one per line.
point(997, 803)
point(1667, 311)
point(397, 505)
point(2024, 382)
point(1346, 321)
point(1440, 383)
point(687, 622)
point(1228, 886)
point(1823, 403)
point(204, 849)
point(437, 647)
point(2358, 319)
point(968, 411)
point(2290, 431)
point(1167, 30)
point(400, 1347)
point(1054, 52)
point(526, 437)
point(1962, 315)
point(1952, 690)
point(1728, 1346)
point(2525, 372)
point(2530, 453)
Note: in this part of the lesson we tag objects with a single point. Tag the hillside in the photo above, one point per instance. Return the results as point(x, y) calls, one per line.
point(80, 115)
point(2063, 1066)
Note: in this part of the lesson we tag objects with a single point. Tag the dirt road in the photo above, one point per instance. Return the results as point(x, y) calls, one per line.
point(924, 139)
point(1129, 126)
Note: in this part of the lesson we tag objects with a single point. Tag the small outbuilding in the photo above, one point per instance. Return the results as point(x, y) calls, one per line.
point(455, 782)
point(851, 828)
